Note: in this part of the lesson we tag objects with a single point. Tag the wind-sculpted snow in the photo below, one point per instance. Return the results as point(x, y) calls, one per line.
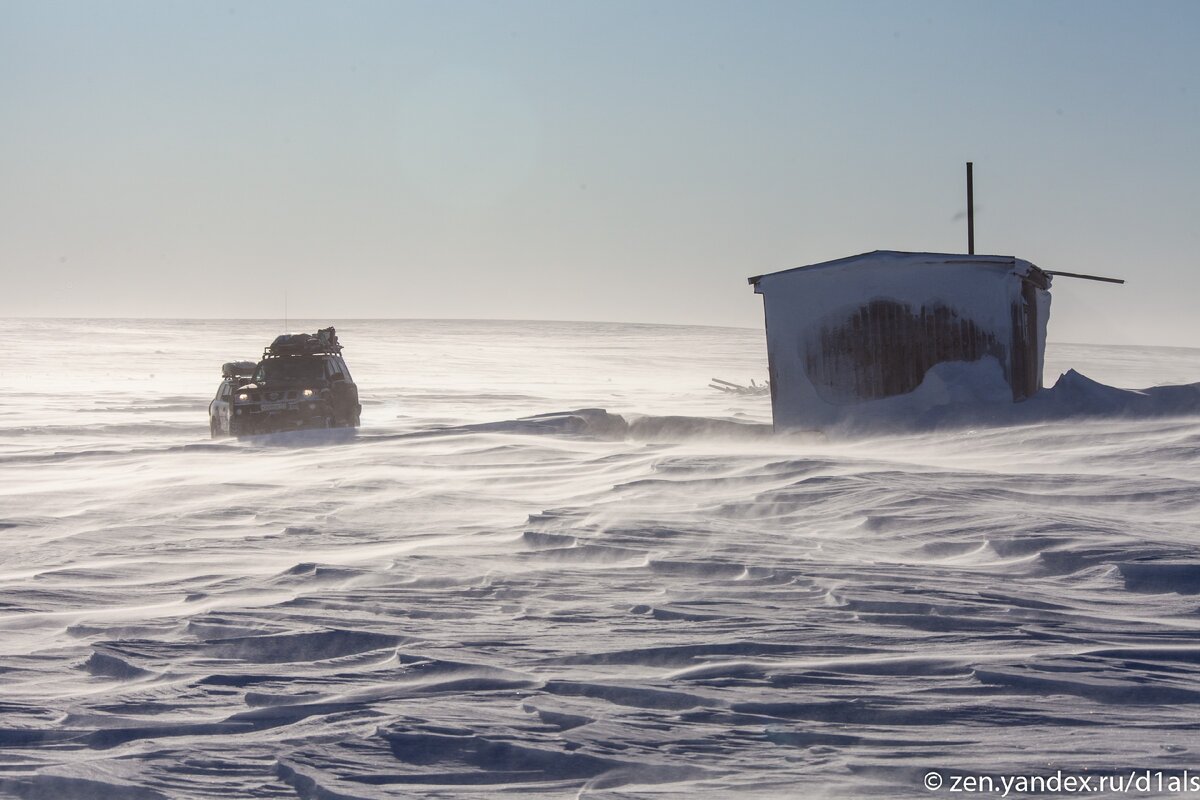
point(553, 563)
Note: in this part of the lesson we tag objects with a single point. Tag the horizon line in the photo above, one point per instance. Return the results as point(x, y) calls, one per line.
point(335, 320)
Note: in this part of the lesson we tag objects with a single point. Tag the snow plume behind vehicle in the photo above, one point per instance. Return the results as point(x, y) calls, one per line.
point(554, 562)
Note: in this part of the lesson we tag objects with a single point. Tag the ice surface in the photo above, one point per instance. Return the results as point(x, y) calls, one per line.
point(554, 563)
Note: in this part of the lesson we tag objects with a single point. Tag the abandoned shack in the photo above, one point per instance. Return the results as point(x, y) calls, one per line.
point(887, 333)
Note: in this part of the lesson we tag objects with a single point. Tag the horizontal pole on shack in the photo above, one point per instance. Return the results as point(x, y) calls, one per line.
point(1085, 277)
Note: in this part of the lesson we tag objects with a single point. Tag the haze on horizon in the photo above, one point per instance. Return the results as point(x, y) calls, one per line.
point(598, 161)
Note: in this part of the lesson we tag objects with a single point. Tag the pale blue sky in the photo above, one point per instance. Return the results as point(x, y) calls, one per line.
point(600, 160)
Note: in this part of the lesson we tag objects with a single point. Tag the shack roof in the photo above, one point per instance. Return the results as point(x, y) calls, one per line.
point(932, 258)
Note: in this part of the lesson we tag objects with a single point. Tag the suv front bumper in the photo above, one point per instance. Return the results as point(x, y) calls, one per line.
point(254, 418)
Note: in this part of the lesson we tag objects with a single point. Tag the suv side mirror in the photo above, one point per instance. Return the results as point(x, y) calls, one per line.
point(337, 376)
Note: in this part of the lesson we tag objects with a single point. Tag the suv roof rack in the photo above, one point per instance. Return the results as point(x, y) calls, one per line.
point(304, 344)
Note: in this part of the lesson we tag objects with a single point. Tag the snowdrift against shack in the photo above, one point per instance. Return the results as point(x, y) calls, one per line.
point(887, 334)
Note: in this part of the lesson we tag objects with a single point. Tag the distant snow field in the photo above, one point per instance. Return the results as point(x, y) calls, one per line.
point(554, 562)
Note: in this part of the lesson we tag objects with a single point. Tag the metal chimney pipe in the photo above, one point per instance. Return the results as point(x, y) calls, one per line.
point(970, 209)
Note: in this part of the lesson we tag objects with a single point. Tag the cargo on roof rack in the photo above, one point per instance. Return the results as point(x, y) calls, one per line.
point(299, 344)
point(238, 369)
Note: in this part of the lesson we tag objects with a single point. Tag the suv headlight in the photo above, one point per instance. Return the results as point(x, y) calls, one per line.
point(308, 392)
point(243, 396)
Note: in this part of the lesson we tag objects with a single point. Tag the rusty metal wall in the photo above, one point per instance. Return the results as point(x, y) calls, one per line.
point(884, 348)
point(1025, 376)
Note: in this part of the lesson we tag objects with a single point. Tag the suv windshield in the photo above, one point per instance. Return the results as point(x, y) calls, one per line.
point(291, 369)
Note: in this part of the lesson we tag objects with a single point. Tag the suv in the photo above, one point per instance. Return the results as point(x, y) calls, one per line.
point(301, 382)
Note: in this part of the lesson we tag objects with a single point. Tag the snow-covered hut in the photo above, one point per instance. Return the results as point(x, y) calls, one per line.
point(887, 334)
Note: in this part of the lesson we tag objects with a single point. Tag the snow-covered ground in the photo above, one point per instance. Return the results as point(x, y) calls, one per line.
point(488, 591)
